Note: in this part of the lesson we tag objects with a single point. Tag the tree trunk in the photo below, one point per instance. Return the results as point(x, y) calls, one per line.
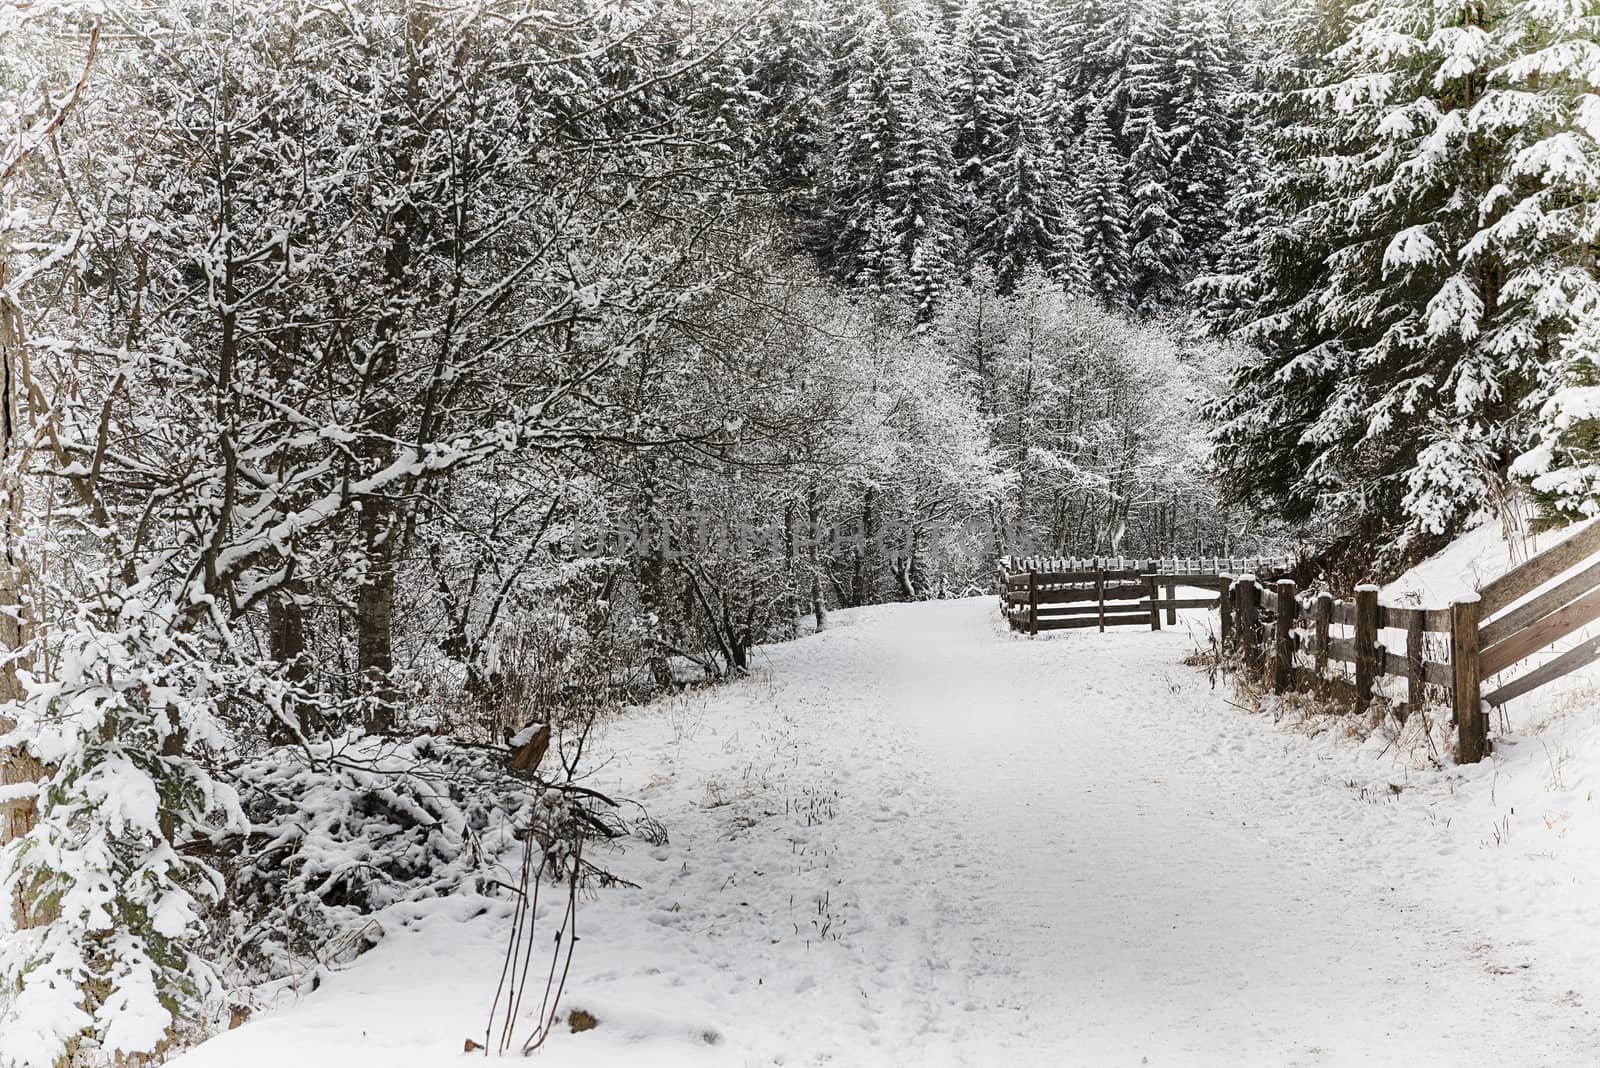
point(375, 622)
point(17, 766)
point(814, 526)
point(286, 643)
point(380, 518)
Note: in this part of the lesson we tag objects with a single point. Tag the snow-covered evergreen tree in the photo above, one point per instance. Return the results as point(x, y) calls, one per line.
point(789, 79)
point(1544, 102)
point(1103, 212)
point(889, 188)
point(1156, 255)
point(102, 953)
point(1374, 401)
point(1091, 42)
point(1026, 219)
point(995, 52)
point(1260, 201)
point(725, 99)
point(1203, 134)
point(1014, 201)
point(1003, 152)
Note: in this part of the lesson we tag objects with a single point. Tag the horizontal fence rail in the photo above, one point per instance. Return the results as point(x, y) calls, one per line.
point(1161, 565)
point(1064, 599)
point(1523, 619)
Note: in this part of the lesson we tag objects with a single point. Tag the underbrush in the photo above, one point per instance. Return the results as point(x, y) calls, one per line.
point(1386, 729)
point(207, 835)
point(344, 830)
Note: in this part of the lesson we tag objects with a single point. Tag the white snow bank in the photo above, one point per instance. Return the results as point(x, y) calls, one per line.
point(1471, 562)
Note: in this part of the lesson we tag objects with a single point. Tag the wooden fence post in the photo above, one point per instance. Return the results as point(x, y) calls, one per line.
point(1282, 649)
point(1100, 595)
point(1225, 612)
point(1247, 621)
point(1324, 624)
point(1155, 602)
point(1471, 726)
point(1366, 644)
point(1172, 608)
point(1033, 602)
point(1414, 669)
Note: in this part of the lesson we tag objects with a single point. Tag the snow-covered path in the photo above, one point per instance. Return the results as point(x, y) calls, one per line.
point(916, 839)
point(1162, 878)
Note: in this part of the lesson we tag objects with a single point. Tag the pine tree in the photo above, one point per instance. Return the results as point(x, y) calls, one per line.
point(1026, 220)
point(1151, 69)
point(995, 52)
point(1008, 178)
point(789, 80)
point(1090, 59)
point(1545, 238)
point(1156, 256)
point(725, 101)
point(1202, 134)
point(1400, 293)
point(889, 193)
point(1260, 200)
point(1374, 404)
point(1103, 212)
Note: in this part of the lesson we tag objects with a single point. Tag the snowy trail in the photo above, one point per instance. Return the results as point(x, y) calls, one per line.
point(915, 839)
point(1164, 879)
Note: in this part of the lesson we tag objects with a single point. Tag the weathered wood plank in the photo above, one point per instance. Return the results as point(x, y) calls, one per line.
point(1367, 649)
point(1224, 613)
point(1399, 617)
point(1087, 608)
point(1498, 630)
point(1536, 572)
point(1473, 736)
point(1553, 627)
point(1568, 662)
point(1282, 644)
point(1342, 649)
point(1071, 595)
point(1086, 578)
point(1343, 613)
point(1118, 619)
point(1399, 665)
point(1324, 616)
point(1247, 619)
point(1416, 666)
point(1183, 602)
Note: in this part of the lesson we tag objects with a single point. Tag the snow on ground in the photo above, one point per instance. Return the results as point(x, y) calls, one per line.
point(917, 839)
point(1472, 561)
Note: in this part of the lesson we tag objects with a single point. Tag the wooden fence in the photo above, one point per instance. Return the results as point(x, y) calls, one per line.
point(1168, 565)
point(1289, 638)
point(1046, 595)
